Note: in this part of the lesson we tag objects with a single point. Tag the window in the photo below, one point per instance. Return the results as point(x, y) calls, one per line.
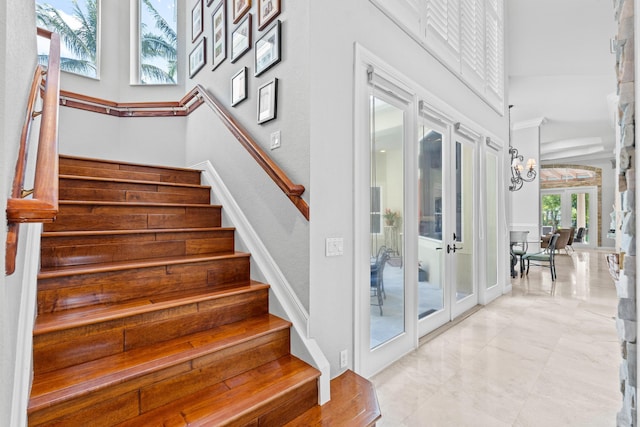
point(77, 22)
point(157, 42)
point(466, 35)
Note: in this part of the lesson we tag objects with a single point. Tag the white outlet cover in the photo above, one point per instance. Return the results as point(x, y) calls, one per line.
point(334, 246)
point(275, 140)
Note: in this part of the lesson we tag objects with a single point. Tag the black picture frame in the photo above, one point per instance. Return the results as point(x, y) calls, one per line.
point(268, 101)
point(198, 57)
point(241, 39)
point(197, 24)
point(239, 87)
point(268, 49)
point(219, 35)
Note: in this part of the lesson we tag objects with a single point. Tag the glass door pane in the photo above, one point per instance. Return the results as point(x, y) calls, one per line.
point(580, 214)
point(491, 213)
point(387, 291)
point(551, 211)
point(431, 295)
point(463, 237)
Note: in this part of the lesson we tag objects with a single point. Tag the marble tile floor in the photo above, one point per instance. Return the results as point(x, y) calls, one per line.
point(537, 356)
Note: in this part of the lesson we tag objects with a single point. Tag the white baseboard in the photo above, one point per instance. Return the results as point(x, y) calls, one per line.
point(24, 345)
point(280, 287)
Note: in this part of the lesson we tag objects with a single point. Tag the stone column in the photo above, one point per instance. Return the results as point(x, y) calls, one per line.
point(626, 285)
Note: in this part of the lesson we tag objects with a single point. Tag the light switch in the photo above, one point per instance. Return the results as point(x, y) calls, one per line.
point(275, 140)
point(334, 246)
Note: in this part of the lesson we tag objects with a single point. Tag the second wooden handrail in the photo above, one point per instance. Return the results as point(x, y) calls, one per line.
point(43, 206)
point(189, 103)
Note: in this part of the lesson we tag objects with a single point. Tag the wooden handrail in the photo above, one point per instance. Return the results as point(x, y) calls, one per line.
point(189, 103)
point(43, 207)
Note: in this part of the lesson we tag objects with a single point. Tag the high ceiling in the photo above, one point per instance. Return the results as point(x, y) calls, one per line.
point(561, 69)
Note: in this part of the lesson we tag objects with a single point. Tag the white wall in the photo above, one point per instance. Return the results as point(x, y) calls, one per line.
point(17, 64)
point(525, 203)
point(279, 224)
point(335, 27)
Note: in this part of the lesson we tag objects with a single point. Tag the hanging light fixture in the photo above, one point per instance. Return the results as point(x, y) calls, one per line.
point(517, 168)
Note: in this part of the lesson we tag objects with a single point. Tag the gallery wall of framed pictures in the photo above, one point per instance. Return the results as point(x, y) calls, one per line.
point(232, 35)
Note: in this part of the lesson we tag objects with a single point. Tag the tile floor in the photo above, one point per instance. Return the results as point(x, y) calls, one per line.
point(529, 358)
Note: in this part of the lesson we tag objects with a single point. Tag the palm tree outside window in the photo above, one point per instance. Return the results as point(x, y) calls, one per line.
point(77, 22)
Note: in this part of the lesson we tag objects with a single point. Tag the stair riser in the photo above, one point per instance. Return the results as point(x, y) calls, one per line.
point(121, 217)
point(73, 189)
point(64, 348)
point(62, 293)
point(144, 393)
point(83, 250)
point(96, 168)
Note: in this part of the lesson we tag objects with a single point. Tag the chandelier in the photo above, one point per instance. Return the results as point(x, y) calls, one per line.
point(517, 168)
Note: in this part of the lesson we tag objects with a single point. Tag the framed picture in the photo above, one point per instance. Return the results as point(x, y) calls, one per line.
point(239, 87)
point(196, 20)
point(267, 101)
point(240, 7)
point(268, 49)
point(241, 39)
point(267, 12)
point(219, 36)
point(197, 57)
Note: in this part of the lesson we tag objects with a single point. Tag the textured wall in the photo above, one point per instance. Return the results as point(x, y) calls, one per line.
point(626, 285)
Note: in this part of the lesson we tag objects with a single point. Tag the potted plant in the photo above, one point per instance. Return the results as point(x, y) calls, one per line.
point(390, 217)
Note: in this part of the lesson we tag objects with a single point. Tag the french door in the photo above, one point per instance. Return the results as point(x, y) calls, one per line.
point(571, 207)
point(416, 177)
point(446, 224)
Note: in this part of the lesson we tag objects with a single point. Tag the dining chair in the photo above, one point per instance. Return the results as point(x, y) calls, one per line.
point(377, 276)
point(519, 247)
point(544, 258)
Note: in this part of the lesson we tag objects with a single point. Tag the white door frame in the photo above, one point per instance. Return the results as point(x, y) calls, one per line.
point(389, 87)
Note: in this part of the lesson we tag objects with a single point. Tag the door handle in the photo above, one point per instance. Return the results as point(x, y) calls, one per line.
point(453, 248)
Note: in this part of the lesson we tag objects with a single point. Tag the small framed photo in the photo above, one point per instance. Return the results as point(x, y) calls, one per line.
point(219, 36)
point(240, 7)
point(239, 87)
point(241, 39)
point(267, 101)
point(268, 50)
point(267, 12)
point(198, 57)
point(197, 26)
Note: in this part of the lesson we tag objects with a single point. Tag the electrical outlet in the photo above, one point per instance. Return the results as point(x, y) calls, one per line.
point(344, 358)
point(275, 140)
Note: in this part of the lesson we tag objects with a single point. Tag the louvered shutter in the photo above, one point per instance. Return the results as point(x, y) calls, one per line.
point(443, 25)
point(495, 49)
point(472, 35)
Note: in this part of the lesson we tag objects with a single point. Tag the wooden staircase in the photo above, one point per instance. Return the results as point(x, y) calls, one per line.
point(148, 317)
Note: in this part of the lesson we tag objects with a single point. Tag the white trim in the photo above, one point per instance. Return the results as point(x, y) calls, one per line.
point(531, 123)
point(24, 345)
point(282, 290)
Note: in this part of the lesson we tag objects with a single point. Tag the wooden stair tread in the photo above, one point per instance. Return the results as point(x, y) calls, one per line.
point(353, 403)
point(133, 181)
point(77, 317)
point(125, 265)
point(118, 162)
point(142, 204)
point(235, 400)
point(65, 384)
point(76, 233)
